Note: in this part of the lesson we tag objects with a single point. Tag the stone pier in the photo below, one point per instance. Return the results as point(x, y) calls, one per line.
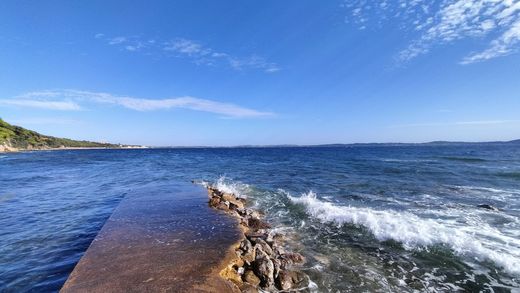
point(159, 239)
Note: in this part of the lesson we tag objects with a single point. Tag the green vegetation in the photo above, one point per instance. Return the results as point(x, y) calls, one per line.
point(21, 138)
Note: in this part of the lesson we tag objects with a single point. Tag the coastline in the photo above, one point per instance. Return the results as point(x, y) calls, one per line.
point(261, 262)
point(9, 149)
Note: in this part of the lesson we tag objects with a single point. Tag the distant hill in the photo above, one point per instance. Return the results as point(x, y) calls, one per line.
point(14, 138)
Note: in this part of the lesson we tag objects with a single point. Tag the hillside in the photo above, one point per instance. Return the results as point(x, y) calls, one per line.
point(13, 138)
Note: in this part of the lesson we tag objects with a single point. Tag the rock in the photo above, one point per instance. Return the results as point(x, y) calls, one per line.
point(251, 235)
point(233, 205)
point(249, 256)
point(214, 201)
point(294, 257)
point(257, 224)
point(222, 206)
point(277, 267)
point(288, 259)
point(228, 197)
point(245, 245)
point(488, 207)
point(242, 212)
point(265, 247)
point(288, 280)
point(263, 267)
point(247, 288)
point(250, 277)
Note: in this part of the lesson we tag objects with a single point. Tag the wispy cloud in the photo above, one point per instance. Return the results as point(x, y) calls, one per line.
point(42, 104)
point(445, 21)
point(456, 123)
point(192, 50)
point(203, 55)
point(72, 99)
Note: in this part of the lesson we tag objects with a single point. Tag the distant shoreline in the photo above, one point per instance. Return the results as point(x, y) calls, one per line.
point(8, 149)
point(20, 150)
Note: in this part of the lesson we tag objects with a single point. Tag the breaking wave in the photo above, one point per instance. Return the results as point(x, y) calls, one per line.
point(415, 232)
point(226, 185)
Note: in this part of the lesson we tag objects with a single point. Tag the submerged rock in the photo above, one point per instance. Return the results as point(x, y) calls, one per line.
point(257, 224)
point(290, 280)
point(488, 207)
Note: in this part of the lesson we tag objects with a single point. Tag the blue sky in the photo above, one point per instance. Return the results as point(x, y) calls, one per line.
point(262, 72)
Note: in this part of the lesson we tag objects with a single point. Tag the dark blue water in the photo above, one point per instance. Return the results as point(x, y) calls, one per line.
point(367, 218)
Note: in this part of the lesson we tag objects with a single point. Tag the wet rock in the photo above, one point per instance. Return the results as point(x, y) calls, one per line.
point(261, 263)
point(488, 207)
point(249, 256)
point(293, 257)
point(257, 224)
point(255, 234)
point(265, 247)
point(214, 201)
point(290, 280)
point(233, 205)
point(245, 245)
point(250, 277)
point(263, 267)
point(222, 206)
point(247, 288)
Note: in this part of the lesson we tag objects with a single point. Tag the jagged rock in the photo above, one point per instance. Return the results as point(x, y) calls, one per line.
point(251, 235)
point(261, 261)
point(247, 288)
point(294, 257)
point(277, 266)
point(265, 247)
point(488, 207)
point(264, 268)
point(250, 277)
point(233, 205)
point(288, 259)
point(257, 224)
point(222, 206)
point(288, 280)
point(249, 256)
point(245, 245)
point(214, 201)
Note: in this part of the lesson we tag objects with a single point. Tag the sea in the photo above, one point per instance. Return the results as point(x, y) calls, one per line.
point(367, 218)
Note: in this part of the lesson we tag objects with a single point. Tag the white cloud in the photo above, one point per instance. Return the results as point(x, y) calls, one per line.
point(504, 45)
point(192, 50)
point(446, 21)
point(185, 46)
point(208, 56)
point(117, 40)
point(42, 104)
point(51, 100)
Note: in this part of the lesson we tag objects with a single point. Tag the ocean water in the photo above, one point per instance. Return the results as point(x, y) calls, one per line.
point(377, 219)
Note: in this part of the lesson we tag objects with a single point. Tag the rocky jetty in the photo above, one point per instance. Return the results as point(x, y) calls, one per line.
point(261, 263)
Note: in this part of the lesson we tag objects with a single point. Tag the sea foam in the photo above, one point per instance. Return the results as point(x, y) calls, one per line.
point(226, 185)
point(416, 232)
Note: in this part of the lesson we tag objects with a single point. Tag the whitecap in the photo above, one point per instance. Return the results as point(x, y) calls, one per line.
point(226, 185)
point(416, 232)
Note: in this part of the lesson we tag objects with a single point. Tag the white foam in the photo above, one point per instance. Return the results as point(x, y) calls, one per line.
point(226, 185)
point(488, 189)
point(415, 232)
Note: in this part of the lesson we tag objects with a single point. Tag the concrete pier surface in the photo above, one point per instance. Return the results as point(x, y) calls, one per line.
point(159, 239)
